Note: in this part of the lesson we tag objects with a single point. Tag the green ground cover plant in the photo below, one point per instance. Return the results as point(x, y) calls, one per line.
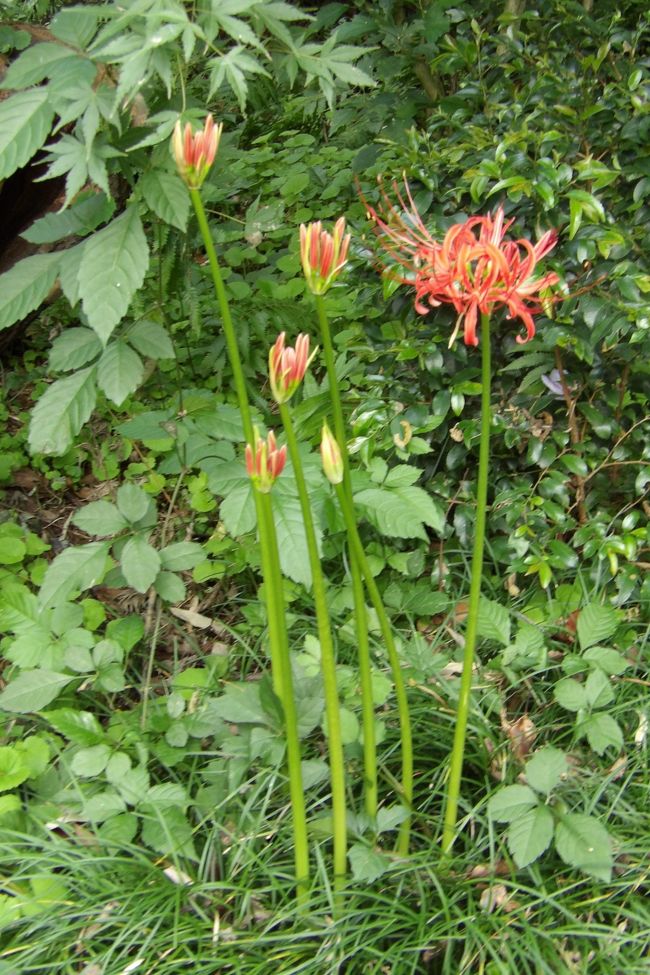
point(227, 741)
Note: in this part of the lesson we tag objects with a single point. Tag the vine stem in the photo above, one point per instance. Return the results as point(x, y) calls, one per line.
point(328, 660)
point(360, 614)
point(462, 713)
point(278, 641)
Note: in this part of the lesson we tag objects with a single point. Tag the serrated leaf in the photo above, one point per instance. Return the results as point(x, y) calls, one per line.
point(530, 835)
point(132, 502)
point(595, 624)
point(90, 762)
point(32, 691)
point(511, 802)
point(25, 123)
point(140, 563)
point(583, 842)
point(34, 65)
point(570, 694)
point(240, 704)
point(367, 864)
point(13, 770)
point(180, 556)
point(292, 541)
point(166, 194)
point(598, 689)
point(79, 219)
point(26, 286)
point(493, 621)
point(74, 348)
point(74, 568)
point(610, 661)
point(112, 268)
point(100, 518)
point(119, 371)
point(80, 727)
point(545, 769)
point(151, 339)
point(394, 514)
point(603, 732)
point(61, 412)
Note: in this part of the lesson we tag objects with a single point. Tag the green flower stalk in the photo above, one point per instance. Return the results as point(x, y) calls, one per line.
point(194, 155)
point(323, 257)
point(334, 467)
point(287, 368)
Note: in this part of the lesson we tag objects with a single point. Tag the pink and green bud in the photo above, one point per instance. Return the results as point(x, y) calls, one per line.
point(323, 255)
point(287, 366)
point(265, 461)
point(331, 455)
point(194, 152)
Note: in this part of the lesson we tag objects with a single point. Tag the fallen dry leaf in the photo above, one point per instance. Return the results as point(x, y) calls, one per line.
point(521, 734)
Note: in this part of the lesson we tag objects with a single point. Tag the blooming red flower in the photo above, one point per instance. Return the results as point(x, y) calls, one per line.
point(473, 268)
point(323, 255)
point(287, 366)
point(265, 461)
point(194, 153)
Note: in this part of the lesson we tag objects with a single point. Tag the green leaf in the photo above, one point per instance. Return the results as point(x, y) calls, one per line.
point(73, 349)
point(150, 339)
point(545, 769)
point(32, 691)
point(12, 550)
point(90, 762)
point(26, 286)
point(75, 568)
point(140, 563)
point(570, 694)
point(168, 831)
point(132, 502)
point(530, 834)
point(80, 727)
point(493, 621)
point(170, 587)
point(166, 194)
point(25, 123)
point(595, 624)
point(603, 732)
point(13, 770)
point(367, 865)
point(400, 512)
point(180, 556)
point(79, 219)
point(292, 541)
point(583, 842)
point(610, 661)
point(100, 518)
point(61, 412)
point(34, 65)
point(119, 371)
point(112, 268)
point(598, 689)
point(240, 704)
point(509, 803)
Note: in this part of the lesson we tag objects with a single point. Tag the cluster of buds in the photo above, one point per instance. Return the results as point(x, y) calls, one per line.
point(287, 366)
point(323, 255)
point(194, 152)
point(265, 461)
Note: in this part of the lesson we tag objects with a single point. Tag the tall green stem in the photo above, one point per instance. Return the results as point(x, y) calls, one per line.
point(280, 658)
point(393, 658)
point(458, 751)
point(328, 660)
point(226, 317)
point(360, 615)
point(280, 663)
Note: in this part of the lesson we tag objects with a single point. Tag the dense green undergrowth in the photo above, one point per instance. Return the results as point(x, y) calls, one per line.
point(144, 814)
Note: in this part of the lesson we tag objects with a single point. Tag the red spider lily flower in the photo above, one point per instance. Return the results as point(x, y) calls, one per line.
point(265, 461)
point(194, 153)
point(323, 255)
point(287, 366)
point(473, 268)
point(331, 455)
